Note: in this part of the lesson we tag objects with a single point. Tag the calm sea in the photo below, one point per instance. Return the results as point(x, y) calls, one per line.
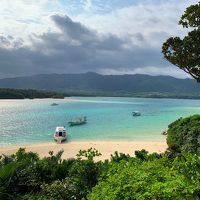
point(34, 121)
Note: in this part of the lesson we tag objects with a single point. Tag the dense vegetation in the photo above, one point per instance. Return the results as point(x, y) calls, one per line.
point(185, 53)
point(183, 135)
point(150, 177)
point(6, 93)
point(24, 176)
point(133, 94)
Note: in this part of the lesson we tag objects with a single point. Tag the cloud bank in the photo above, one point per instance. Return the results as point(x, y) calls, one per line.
point(126, 40)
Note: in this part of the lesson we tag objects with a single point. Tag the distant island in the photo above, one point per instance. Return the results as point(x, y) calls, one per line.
point(93, 84)
point(7, 93)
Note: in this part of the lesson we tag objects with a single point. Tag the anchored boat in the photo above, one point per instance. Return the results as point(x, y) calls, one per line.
point(54, 104)
point(60, 134)
point(136, 113)
point(78, 121)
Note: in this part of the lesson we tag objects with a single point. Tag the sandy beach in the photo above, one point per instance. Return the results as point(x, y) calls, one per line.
point(105, 147)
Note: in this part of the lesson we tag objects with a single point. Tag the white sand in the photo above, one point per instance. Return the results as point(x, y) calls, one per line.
point(105, 147)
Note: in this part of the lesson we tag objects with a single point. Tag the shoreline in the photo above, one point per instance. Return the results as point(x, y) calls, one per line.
point(175, 97)
point(106, 148)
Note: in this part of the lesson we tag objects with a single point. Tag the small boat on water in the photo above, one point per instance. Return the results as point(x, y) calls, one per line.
point(60, 134)
point(78, 121)
point(54, 104)
point(136, 113)
point(164, 132)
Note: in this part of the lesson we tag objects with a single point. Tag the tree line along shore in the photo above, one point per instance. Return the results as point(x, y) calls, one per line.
point(10, 93)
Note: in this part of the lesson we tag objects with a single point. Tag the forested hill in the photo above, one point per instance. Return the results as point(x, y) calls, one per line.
point(104, 83)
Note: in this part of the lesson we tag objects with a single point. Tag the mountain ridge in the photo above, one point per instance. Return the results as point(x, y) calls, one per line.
point(91, 81)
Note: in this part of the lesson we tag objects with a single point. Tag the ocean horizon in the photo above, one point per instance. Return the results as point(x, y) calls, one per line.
point(109, 118)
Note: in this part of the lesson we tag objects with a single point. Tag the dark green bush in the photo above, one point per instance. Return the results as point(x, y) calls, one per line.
point(25, 176)
point(161, 178)
point(183, 135)
point(117, 157)
point(60, 190)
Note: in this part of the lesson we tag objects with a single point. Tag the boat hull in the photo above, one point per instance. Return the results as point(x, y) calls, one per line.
point(60, 139)
point(136, 114)
point(76, 123)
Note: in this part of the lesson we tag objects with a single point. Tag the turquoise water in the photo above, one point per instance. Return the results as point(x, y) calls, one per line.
point(34, 121)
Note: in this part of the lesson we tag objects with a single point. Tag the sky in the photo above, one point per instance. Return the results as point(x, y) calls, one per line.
point(78, 36)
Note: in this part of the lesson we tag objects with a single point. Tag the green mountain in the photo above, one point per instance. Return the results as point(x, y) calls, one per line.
point(93, 83)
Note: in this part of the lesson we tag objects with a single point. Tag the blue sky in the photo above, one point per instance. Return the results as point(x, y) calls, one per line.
point(76, 36)
point(103, 7)
point(96, 6)
point(76, 7)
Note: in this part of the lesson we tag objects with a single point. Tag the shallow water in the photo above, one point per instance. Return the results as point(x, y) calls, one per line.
point(34, 121)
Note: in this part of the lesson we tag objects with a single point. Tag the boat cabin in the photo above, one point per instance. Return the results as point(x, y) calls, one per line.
point(60, 134)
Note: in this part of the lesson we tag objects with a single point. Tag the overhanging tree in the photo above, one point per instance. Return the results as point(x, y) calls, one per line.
point(185, 53)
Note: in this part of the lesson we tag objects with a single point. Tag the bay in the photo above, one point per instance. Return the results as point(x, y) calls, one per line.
point(109, 118)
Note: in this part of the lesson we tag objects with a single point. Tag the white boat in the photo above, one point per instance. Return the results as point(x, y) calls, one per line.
point(78, 121)
point(136, 113)
point(60, 134)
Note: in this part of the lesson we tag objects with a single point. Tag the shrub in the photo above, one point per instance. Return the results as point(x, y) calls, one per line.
point(59, 190)
point(183, 135)
point(158, 179)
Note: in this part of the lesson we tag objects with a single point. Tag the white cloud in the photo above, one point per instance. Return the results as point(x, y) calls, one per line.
point(87, 4)
point(155, 22)
point(123, 40)
point(21, 18)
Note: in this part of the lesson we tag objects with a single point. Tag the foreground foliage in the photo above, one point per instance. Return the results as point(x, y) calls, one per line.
point(154, 178)
point(25, 176)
